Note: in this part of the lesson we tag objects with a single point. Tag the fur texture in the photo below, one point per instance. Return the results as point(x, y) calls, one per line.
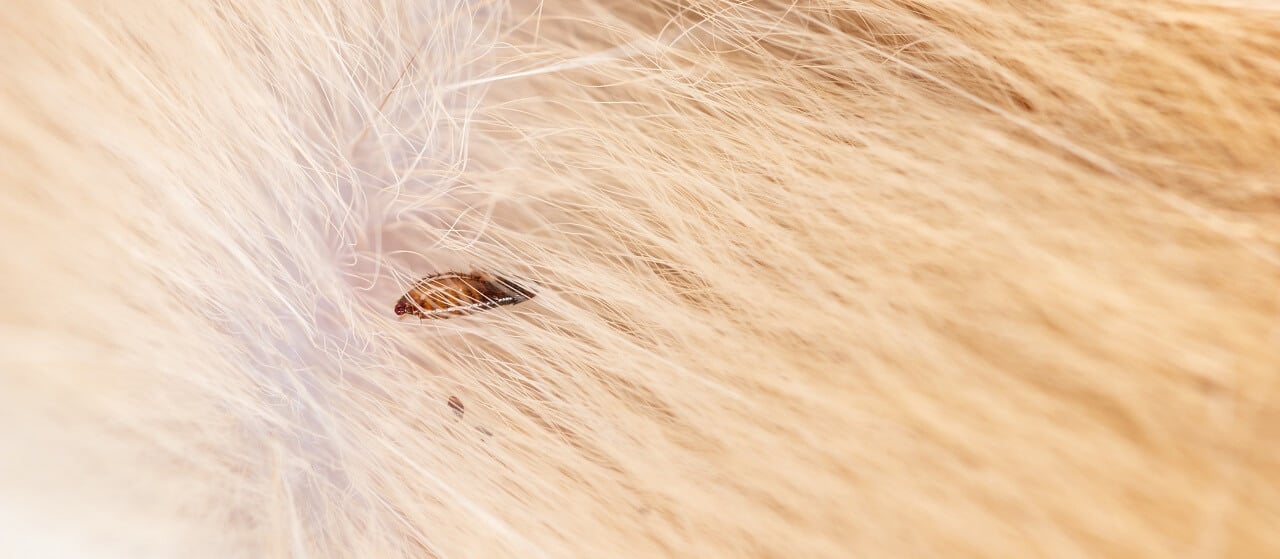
point(884, 278)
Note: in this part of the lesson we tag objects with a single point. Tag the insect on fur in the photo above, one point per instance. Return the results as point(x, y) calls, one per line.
point(455, 404)
point(452, 294)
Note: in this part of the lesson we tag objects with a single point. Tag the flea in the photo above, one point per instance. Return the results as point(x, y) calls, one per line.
point(453, 294)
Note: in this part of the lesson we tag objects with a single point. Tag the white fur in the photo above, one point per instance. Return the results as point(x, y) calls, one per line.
point(868, 279)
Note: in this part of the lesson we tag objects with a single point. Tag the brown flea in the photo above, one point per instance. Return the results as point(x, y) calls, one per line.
point(456, 405)
point(452, 294)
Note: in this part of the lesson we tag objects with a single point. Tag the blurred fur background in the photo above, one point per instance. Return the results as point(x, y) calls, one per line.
point(883, 278)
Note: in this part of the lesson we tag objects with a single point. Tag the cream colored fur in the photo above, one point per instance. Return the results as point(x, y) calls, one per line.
point(820, 279)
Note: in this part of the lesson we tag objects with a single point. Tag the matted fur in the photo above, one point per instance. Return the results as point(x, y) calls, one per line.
point(824, 279)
